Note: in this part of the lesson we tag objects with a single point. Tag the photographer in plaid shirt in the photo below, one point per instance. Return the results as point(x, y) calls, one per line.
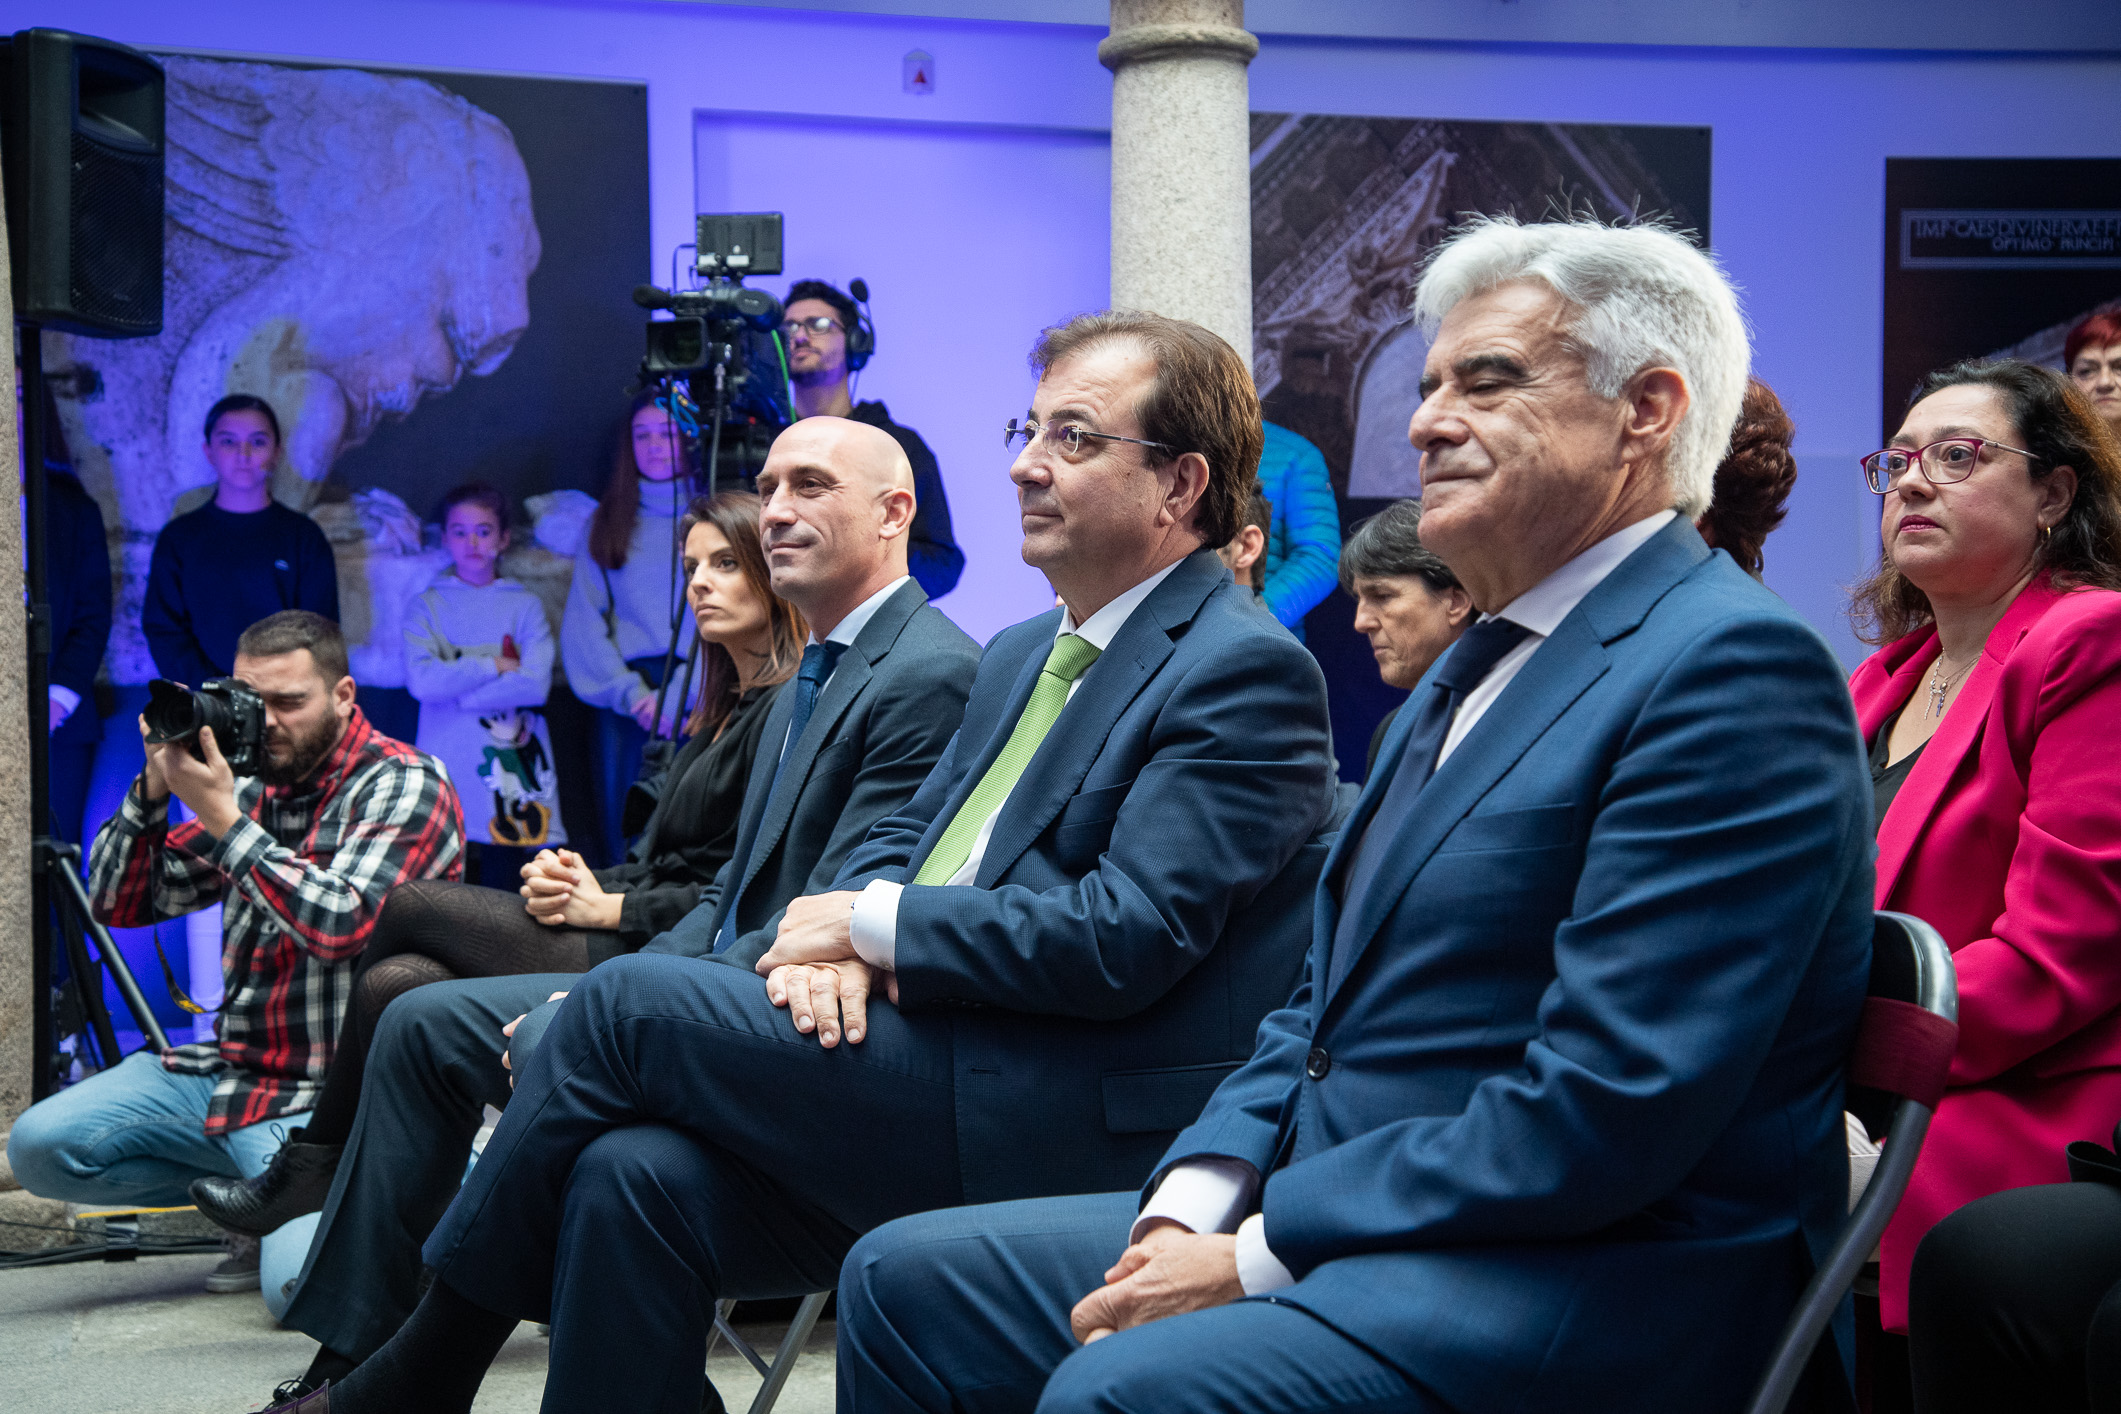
point(301, 858)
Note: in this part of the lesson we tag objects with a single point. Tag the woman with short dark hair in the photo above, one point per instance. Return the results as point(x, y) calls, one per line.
point(1991, 710)
point(1407, 602)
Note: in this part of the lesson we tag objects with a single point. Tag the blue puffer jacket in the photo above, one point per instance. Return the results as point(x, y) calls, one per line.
point(1303, 547)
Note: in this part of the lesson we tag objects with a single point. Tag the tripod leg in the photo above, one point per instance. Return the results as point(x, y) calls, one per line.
point(88, 981)
point(69, 883)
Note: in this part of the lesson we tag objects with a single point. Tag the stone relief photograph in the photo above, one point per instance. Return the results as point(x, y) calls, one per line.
point(415, 270)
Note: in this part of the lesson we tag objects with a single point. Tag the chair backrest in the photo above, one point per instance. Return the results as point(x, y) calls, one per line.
point(1897, 1073)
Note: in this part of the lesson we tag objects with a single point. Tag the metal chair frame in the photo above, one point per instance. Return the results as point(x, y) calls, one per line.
point(1910, 962)
point(776, 1373)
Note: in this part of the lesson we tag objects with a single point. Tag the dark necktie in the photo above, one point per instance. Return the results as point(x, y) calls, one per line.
point(1471, 659)
point(819, 659)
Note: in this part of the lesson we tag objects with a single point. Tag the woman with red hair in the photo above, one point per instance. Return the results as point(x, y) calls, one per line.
point(2092, 358)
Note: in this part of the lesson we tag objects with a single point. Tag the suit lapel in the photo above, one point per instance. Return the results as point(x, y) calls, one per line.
point(1957, 736)
point(856, 667)
point(1057, 769)
point(1558, 673)
point(1550, 681)
point(756, 785)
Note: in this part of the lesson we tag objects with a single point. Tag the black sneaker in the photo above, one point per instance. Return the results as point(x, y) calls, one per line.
point(238, 1271)
point(300, 1397)
point(296, 1182)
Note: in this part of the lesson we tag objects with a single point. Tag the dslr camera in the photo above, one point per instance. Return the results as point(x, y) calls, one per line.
point(175, 713)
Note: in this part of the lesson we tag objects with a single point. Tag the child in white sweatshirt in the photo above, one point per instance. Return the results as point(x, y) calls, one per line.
point(479, 657)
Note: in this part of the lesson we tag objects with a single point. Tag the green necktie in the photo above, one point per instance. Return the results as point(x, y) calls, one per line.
point(1070, 658)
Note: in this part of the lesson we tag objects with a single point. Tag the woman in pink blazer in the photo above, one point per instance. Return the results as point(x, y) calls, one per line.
point(1993, 712)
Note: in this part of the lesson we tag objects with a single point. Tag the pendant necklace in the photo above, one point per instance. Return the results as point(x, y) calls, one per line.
point(1941, 686)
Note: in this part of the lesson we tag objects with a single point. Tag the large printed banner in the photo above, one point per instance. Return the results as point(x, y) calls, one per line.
point(1344, 210)
point(1993, 256)
point(427, 274)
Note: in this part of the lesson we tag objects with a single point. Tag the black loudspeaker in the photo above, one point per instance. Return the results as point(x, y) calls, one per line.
point(81, 133)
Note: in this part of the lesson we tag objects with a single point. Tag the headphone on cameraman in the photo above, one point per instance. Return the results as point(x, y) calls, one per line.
point(861, 339)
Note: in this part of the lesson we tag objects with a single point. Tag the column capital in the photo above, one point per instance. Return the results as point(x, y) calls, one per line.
point(1139, 43)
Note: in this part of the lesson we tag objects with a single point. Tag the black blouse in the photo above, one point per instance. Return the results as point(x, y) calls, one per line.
point(692, 833)
point(1886, 780)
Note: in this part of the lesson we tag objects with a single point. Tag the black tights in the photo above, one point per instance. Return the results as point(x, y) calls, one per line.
point(430, 932)
point(2015, 1304)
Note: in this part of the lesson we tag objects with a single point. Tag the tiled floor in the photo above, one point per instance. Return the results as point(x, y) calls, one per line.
point(115, 1338)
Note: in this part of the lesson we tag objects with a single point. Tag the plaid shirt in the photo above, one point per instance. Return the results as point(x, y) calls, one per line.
point(302, 877)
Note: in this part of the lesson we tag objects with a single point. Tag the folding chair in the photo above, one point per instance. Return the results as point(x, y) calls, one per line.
point(775, 1374)
point(1896, 1076)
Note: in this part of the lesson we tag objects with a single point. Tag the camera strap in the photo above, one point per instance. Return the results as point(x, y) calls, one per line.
point(169, 977)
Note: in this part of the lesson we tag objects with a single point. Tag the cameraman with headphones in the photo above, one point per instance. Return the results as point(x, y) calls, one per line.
point(828, 338)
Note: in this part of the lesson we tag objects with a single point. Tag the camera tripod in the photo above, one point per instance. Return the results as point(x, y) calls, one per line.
point(55, 879)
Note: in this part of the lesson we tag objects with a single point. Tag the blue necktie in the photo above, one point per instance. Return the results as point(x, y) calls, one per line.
point(819, 659)
point(1471, 659)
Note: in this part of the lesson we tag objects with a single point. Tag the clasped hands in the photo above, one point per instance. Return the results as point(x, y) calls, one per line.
point(812, 969)
point(1171, 1271)
point(561, 891)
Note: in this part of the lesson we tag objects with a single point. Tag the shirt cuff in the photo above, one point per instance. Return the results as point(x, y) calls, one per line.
point(244, 845)
point(1201, 1195)
point(67, 698)
point(874, 931)
point(137, 814)
point(1258, 1270)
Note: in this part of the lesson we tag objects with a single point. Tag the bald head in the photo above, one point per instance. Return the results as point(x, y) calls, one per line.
point(858, 448)
point(837, 505)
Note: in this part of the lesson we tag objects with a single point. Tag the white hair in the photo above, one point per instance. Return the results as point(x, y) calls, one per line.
point(1640, 297)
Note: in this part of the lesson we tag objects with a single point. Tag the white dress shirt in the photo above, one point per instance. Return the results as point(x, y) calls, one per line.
point(875, 926)
point(1213, 1194)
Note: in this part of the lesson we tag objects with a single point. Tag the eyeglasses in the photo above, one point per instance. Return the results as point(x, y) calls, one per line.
point(1068, 435)
point(1943, 462)
point(817, 326)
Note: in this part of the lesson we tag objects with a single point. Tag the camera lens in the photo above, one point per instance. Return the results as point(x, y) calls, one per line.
point(172, 711)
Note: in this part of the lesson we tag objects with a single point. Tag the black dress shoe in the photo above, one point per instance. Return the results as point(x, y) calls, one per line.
point(298, 1397)
point(296, 1182)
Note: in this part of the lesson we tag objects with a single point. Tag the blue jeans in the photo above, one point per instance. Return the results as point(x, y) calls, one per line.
point(134, 1136)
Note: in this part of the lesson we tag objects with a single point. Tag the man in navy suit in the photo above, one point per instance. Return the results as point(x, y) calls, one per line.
point(1082, 915)
point(879, 691)
point(1554, 1120)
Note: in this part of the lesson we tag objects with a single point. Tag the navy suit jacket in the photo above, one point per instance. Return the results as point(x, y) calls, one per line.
point(1142, 901)
point(1568, 1133)
point(884, 718)
point(78, 581)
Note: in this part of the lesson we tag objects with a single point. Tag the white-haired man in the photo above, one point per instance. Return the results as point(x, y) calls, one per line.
point(1554, 1121)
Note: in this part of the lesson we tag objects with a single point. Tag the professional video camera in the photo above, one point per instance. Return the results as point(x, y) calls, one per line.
point(720, 328)
point(228, 705)
point(723, 376)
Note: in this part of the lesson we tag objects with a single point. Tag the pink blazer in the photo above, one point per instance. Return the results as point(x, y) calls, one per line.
point(2006, 837)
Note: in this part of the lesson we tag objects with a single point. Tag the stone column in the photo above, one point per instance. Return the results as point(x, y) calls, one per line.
point(17, 1052)
point(1181, 174)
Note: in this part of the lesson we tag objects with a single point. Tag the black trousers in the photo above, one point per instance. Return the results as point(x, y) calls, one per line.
point(433, 1068)
point(673, 1140)
point(2015, 1304)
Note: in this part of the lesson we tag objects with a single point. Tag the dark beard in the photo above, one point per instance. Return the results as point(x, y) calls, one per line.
point(308, 752)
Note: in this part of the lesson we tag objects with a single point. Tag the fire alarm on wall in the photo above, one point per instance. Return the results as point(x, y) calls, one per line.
point(919, 72)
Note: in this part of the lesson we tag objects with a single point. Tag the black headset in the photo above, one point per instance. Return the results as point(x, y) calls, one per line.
point(861, 339)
